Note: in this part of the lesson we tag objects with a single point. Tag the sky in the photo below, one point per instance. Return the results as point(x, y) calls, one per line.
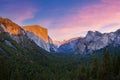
point(64, 19)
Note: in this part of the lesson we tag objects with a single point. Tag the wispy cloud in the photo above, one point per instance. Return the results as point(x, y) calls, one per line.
point(45, 22)
point(111, 1)
point(90, 17)
point(65, 22)
point(18, 12)
point(110, 27)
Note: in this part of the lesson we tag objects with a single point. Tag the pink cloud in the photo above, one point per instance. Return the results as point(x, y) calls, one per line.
point(111, 1)
point(19, 13)
point(45, 22)
point(90, 17)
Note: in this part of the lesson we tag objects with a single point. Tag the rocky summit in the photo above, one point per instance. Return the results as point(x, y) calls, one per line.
point(13, 30)
point(38, 31)
point(39, 35)
point(8, 26)
point(23, 35)
point(91, 42)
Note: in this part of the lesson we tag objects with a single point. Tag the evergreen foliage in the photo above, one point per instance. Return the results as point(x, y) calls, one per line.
point(33, 63)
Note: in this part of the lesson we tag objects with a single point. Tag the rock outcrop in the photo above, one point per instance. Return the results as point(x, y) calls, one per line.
point(91, 42)
point(13, 30)
point(23, 35)
point(40, 36)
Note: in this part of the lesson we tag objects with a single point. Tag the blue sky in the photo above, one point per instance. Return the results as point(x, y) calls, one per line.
point(64, 18)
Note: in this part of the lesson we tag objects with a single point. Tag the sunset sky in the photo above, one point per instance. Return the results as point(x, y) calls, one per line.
point(64, 19)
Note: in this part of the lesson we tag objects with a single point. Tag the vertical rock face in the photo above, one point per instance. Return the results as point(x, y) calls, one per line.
point(91, 42)
point(53, 47)
point(40, 36)
point(38, 31)
point(35, 33)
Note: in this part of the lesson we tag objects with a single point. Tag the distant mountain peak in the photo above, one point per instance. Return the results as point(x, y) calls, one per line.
point(94, 33)
point(93, 41)
point(59, 43)
point(118, 31)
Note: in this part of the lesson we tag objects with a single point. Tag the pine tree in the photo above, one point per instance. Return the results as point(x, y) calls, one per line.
point(116, 67)
point(4, 68)
point(105, 68)
point(118, 76)
point(94, 68)
point(82, 73)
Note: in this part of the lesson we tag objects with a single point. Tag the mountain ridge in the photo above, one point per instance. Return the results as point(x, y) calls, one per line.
point(91, 42)
point(22, 36)
point(94, 40)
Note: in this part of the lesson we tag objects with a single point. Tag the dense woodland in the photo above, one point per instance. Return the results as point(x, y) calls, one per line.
point(33, 63)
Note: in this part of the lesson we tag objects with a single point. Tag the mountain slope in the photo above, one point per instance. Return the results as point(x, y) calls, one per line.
point(68, 46)
point(10, 27)
point(34, 63)
point(40, 36)
point(35, 33)
point(38, 30)
point(91, 42)
point(24, 60)
point(13, 30)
